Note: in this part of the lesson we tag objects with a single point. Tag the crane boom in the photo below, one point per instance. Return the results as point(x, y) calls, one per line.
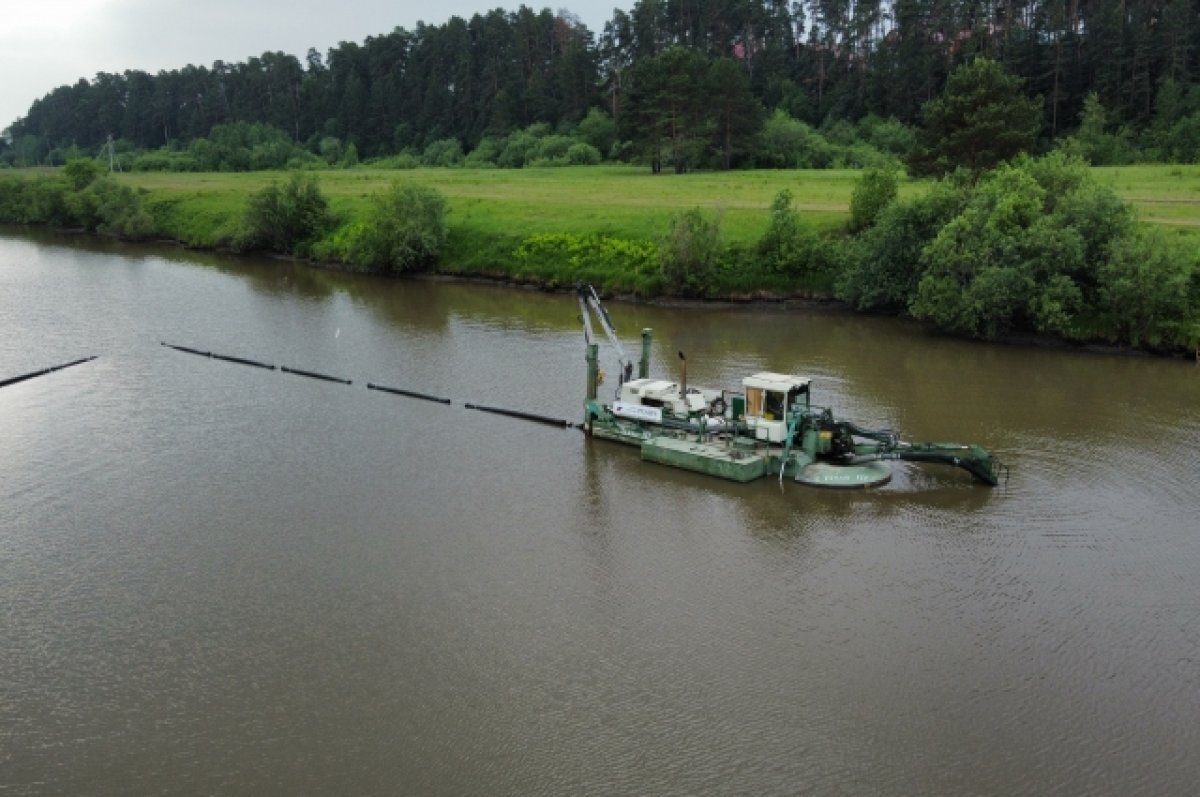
point(589, 303)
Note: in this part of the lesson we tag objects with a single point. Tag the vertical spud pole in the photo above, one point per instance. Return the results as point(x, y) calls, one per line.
point(593, 360)
point(644, 363)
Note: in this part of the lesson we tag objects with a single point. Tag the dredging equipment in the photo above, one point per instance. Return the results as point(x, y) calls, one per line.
point(769, 427)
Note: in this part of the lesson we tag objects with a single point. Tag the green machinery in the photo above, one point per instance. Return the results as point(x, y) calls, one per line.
point(768, 428)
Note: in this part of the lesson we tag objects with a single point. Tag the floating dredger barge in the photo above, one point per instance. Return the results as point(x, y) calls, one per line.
point(768, 428)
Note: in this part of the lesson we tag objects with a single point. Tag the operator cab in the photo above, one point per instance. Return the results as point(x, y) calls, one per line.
point(769, 399)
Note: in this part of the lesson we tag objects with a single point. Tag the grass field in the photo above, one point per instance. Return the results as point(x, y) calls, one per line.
point(631, 202)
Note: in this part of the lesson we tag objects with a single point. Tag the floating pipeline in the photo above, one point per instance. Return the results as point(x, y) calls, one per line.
point(518, 414)
point(226, 357)
point(314, 375)
point(243, 361)
point(187, 349)
point(15, 379)
point(409, 393)
point(525, 416)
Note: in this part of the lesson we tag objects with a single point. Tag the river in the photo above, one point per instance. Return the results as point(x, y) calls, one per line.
point(221, 579)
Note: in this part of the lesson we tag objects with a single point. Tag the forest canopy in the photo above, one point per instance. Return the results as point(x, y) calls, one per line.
point(1117, 79)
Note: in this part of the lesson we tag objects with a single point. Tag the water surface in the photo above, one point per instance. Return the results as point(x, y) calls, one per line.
point(215, 578)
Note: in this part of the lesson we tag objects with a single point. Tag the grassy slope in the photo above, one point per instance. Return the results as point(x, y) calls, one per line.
point(625, 202)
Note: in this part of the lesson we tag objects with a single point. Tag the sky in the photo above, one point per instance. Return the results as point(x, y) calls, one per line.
point(48, 43)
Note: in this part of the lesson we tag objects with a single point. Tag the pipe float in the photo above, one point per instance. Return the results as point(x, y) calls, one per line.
point(225, 357)
point(409, 393)
point(525, 416)
point(314, 375)
point(15, 379)
point(186, 349)
point(242, 361)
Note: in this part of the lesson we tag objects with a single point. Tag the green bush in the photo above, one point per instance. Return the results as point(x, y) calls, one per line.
point(1150, 291)
point(562, 259)
point(405, 160)
point(599, 130)
point(81, 173)
point(874, 191)
point(485, 154)
point(120, 212)
point(690, 252)
point(443, 152)
point(404, 230)
point(1025, 253)
point(885, 261)
point(581, 154)
point(287, 218)
point(788, 246)
point(164, 160)
point(889, 135)
point(519, 148)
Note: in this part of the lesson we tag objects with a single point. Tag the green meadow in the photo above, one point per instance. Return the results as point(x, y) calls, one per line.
point(618, 201)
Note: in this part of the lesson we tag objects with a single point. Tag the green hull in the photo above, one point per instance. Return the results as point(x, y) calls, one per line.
point(711, 459)
point(736, 459)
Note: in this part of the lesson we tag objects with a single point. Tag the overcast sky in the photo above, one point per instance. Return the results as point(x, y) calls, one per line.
point(48, 43)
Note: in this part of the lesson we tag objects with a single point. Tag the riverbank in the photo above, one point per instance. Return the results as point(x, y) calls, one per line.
point(747, 237)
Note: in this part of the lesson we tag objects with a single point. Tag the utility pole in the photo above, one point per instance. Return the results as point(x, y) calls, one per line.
point(113, 163)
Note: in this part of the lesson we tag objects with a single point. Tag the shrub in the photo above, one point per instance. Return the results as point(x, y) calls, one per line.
point(788, 245)
point(874, 191)
point(599, 130)
point(165, 161)
point(550, 151)
point(581, 154)
point(565, 258)
point(1149, 290)
point(518, 149)
point(81, 173)
point(120, 212)
point(485, 154)
point(287, 218)
point(885, 261)
point(443, 152)
point(405, 160)
point(889, 135)
point(689, 253)
point(404, 230)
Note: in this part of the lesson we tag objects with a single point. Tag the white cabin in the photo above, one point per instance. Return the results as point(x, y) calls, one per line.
point(644, 400)
point(769, 398)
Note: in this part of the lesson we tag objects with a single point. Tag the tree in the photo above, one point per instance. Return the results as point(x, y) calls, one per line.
point(666, 112)
point(980, 120)
point(1096, 144)
point(738, 115)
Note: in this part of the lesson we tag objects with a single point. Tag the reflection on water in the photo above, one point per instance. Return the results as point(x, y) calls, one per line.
point(215, 578)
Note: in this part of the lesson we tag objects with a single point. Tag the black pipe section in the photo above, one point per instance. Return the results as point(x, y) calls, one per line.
point(15, 379)
point(312, 375)
point(409, 393)
point(186, 349)
point(225, 357)
point(243, 361)
point(525, 416)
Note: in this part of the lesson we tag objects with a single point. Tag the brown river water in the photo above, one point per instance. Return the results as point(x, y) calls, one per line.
point(217, 579)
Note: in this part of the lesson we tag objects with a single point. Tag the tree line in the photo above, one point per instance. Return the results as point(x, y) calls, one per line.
point(687, 83)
